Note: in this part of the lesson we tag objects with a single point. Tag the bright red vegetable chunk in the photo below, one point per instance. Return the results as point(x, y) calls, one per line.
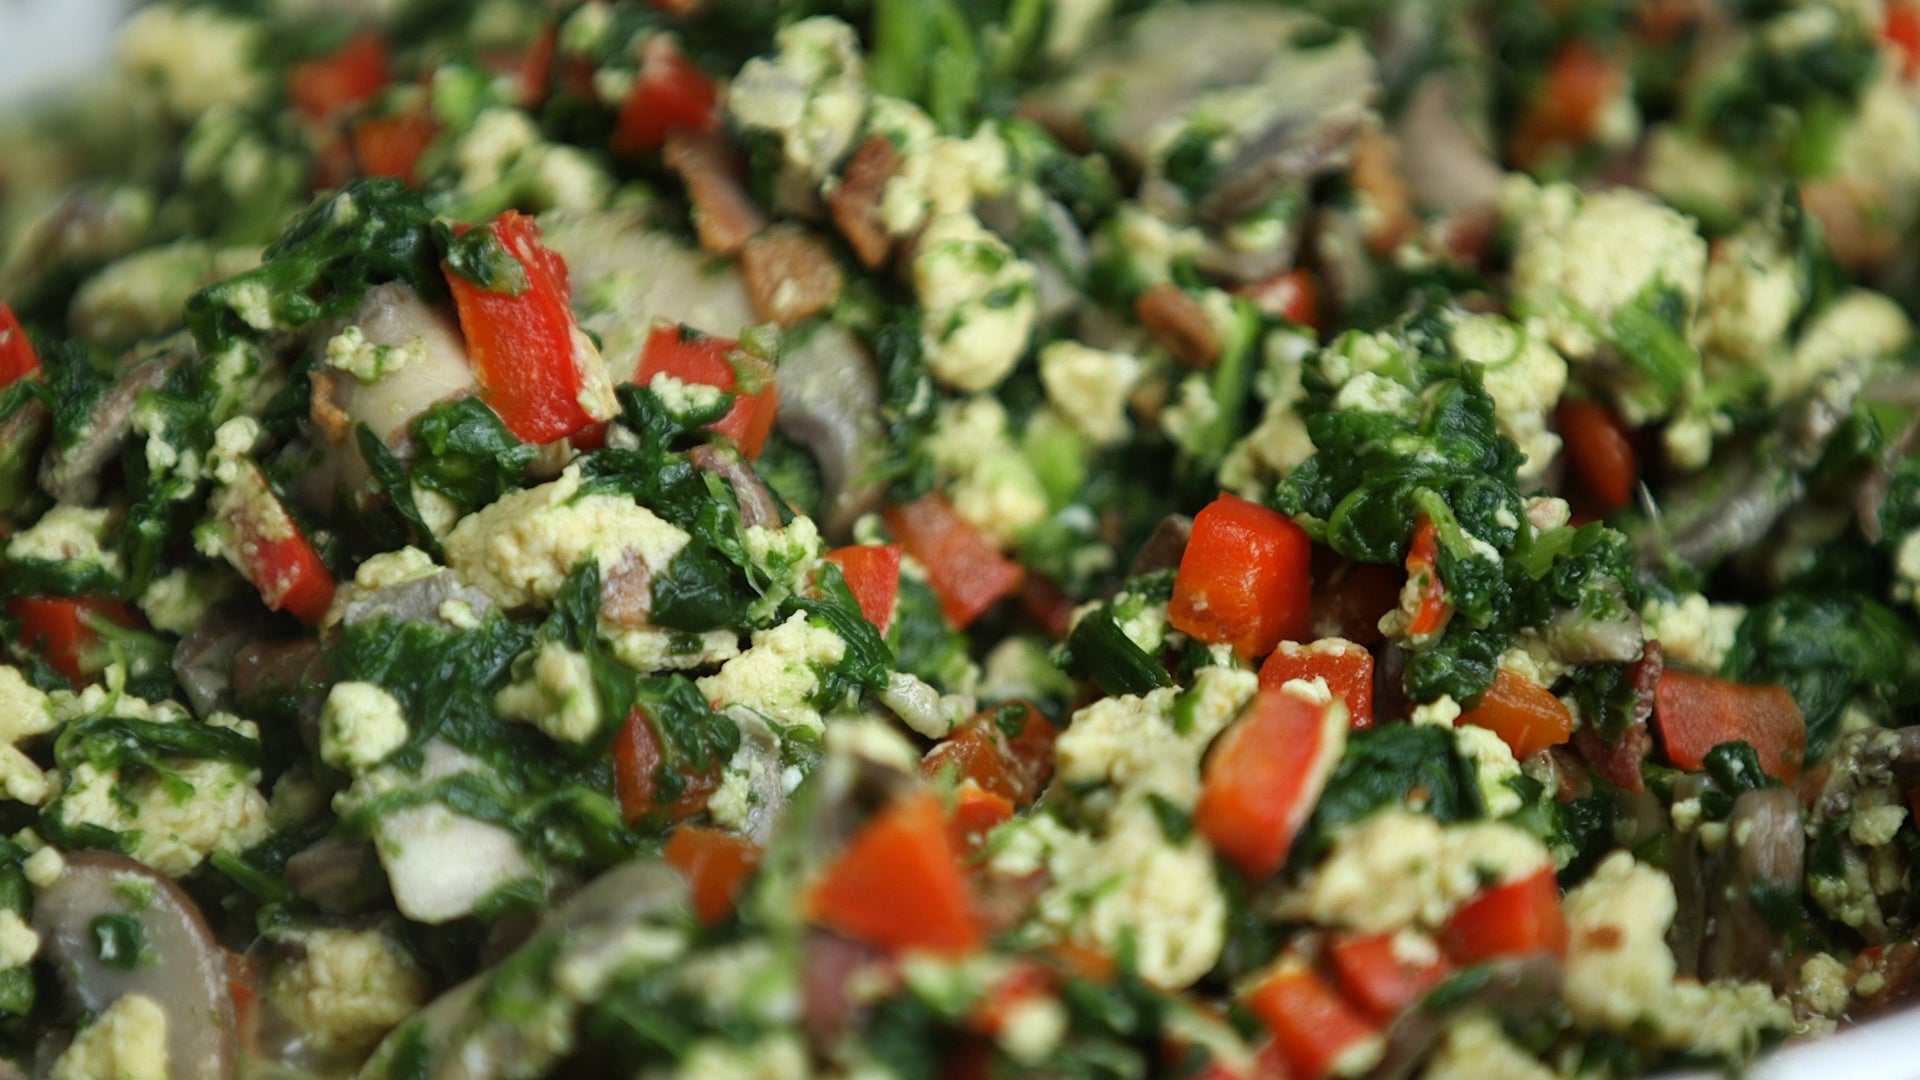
point(686, 354)
point(1602, 455)
point(1319, 1032)
point(266, 545)
point(637, 761)
point(669, 93)
point(328, 85)
point(1518, 918)
point(531, 359)
point(392, 145)
point(1264, 774)
point(872, 572)
point(1245, 579)
point(976, 812)
point(1901, 29)
point(1380, 980)
point(1694, 713)
point(1014, 767)
point(1569, 107)
point(1433, 610)
point(716, 864)
point(898, 884)
point(967, 573)
point(60, 630)
point(1526, 716)
point(17, 358)
point(1289, 294)
point(1347, 669)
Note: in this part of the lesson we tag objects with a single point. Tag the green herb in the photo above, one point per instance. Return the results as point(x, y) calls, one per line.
point(478, 256)
point(1397, 765)
point(118, 940)
point(1098, 649)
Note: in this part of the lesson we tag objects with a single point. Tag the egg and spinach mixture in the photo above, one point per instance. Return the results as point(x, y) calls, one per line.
point(882, 538)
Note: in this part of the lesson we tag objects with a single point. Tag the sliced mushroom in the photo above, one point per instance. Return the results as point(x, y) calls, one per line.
point(73, 473)
point(421, 599)
point(1164, 547)
point(203, 660)
point(181, 967)
point(757, 504)
point(336, 874)
point(724, 214)
point(440, 863)
point(1447, 163)
point(1764, 860)
point(830, 404)
point(393, 316)
point(466, 1039)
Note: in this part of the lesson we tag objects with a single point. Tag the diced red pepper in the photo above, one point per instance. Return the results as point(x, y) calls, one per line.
point(898, 885)
point(1263, 776)
point(968, 574)
point(637, 759)
point(716, 864)
point(1602, 455)
point(1526, 716)
point(1245, 579)
point(1377, 978)
point(1423, 568)
point(1901, 29)
point(1015, 768)
point(536, 67)
point(17, 358)
point(1694, 713)
point(976, 812)
point(1289, 295)
point(392, 145)
point(669, 92)
point(527, 351)
point(1518, 918)
point(1568, 108)
point(267, 546)
point(1346, 667)
point(692, 357)
point(328, 85)
point(57, 629)
point(1320, 1033)
point(873, 575)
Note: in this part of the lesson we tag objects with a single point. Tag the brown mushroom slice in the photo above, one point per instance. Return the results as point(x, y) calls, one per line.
point(394, 316)
point(181, 967)
point(830, 404)
point(462, 1038)
point(1763, 863)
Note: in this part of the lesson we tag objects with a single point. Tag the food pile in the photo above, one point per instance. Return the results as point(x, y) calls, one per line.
point(911, 538)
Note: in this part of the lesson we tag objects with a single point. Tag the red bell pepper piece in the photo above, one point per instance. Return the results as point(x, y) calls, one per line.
point(1518, 918)
point(1245, 579)
point(392, 145)
point(897, 884)
point(1320, 1033)
point(1580, 83)
point(1289, 295)
point(328, 85)
point(637, 759)
point(1380, 980)
point(266, 545)
point(1526, 716)
point(528, 353)
point(1602, 455)
point(1263, 776)
point(716, 864)
point(692, 357)
point(60, 629)
point(1695, 713)
point(968, 574)
point(975, 813)
point(669, 93)
point(1015, 768)
point(1347, 669)
point(1901, 29)
point(1423, 569)
point(873, 575)
point(17, 358)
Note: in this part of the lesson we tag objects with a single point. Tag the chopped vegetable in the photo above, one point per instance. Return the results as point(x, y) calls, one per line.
point(1526, 716)
point(1245, 579)
point(1379, 976)
point(1264, 775)
point(897, 884)
point(342, 80)
point(1346, 668)
point(1601, 453)
point(967, 572)
point(1517, 918)
point(693, 357)
point(669, 93)
point(715, 864)
point(1319, 1032)
point(1693, 713)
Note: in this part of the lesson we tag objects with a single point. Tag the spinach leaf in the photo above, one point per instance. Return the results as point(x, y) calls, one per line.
point(1394, 765)
point(1098, 649)
point(464, 452)
point(1827, 649)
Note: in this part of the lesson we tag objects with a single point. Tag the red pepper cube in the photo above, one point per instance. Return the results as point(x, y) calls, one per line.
point(1245, 579)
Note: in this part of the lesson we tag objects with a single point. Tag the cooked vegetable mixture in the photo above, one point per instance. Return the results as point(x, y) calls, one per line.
point(960, 538)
